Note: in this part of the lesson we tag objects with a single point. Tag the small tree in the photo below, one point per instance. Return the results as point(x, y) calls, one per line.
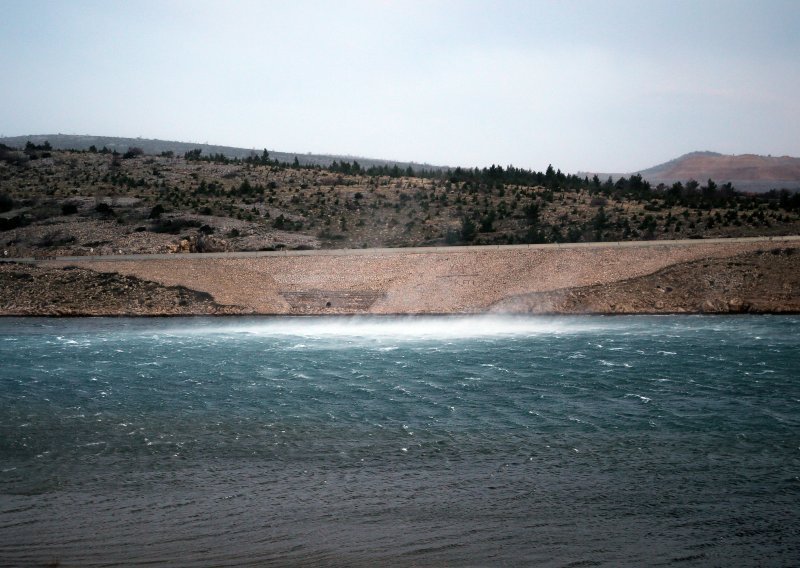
point(156, 212)
point(599, 223)
point(468, 230)
point(133, 153)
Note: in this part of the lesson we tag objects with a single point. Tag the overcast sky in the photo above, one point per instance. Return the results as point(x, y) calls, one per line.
point(613, 86)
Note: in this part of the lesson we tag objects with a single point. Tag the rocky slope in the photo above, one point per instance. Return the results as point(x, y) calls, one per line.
point(754, 282)
point(756, 277)
point(28, 290)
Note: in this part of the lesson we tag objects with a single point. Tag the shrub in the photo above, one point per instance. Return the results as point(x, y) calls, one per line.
point(104, 209)
point(133, 153)
point(6, 203)
point(173, 226)
point(69, 208)
point(12, 156)
point(13, 223)
point(156, 212)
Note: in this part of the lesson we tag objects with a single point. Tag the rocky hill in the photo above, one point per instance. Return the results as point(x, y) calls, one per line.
point(747, 172)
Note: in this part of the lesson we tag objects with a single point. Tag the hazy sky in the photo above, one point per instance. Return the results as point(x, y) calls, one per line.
point(591, 85)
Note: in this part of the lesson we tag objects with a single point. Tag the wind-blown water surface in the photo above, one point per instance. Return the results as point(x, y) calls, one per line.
point(401, 441)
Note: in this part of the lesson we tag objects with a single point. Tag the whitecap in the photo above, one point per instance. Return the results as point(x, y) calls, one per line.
point(644, 399)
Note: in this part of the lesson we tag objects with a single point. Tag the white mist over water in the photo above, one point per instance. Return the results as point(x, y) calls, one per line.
point(404, 328)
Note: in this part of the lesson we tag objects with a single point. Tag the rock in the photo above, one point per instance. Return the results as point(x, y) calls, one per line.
point(209, 244)
point(738, 305)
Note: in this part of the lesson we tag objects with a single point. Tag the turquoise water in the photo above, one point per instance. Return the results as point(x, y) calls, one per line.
point(466, 441)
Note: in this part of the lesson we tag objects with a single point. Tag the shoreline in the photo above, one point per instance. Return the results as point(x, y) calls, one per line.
point(542, 315)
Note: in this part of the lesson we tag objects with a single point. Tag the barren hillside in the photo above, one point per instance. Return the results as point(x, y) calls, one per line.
point(745, 171)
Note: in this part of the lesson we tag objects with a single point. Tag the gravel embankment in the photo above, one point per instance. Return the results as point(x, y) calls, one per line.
point(696, 277)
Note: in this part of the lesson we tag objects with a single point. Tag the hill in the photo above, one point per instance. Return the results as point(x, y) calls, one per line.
point(68, 202)
point(747, 172)
point(156, 147)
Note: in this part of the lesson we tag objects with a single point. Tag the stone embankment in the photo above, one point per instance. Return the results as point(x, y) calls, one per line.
point(731, 275)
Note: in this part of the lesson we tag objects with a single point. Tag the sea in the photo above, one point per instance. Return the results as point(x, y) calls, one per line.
point(400, 441)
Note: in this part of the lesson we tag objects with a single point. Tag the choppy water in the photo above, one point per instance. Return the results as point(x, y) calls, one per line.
point(390, 441)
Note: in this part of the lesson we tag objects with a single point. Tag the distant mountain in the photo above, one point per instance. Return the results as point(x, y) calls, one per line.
point(747, 172)
point(155, 146)
point(677, 168)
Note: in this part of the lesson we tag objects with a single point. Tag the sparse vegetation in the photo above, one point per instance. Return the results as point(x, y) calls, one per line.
point(149, 203)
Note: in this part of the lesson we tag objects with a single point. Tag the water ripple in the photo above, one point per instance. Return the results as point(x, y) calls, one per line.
point(400, 441)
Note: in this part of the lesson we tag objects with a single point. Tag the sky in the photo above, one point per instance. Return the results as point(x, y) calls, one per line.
point(604, 85)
